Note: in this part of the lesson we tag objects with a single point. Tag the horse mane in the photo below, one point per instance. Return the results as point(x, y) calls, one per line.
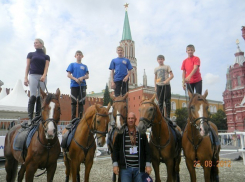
point(48, 98)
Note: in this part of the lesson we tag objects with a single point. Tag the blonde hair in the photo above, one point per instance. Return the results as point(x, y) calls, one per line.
point(120, 47)
point(41, 41)
point(190, 46)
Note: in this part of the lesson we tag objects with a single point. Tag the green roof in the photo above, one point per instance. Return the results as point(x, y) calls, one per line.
point(126, 28)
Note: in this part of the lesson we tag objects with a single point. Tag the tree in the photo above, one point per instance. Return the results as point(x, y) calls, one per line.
point(107, 97)
point(219, 119)
point(181, 117)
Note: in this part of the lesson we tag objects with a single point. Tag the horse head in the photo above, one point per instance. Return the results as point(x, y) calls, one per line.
point(120, 111)
point(50, 113)
point(100, 123)
point(198, 112)
point(147, 112)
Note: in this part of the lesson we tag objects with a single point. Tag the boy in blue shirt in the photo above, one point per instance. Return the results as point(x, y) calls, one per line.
point(120, 77)
point(78, 73)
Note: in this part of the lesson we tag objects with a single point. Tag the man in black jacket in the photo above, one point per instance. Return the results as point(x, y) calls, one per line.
point(131, 153)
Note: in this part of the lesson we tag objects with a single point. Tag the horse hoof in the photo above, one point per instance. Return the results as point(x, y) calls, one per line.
point(67, 179)
point(78, 177)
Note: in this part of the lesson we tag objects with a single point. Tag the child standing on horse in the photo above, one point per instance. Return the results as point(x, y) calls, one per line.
point(163, 75)
point(120, 71)
point(37, 67)
point(191, 71)
point(78, 73)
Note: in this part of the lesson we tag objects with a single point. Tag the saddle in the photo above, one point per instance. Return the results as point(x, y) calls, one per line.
point(69, 134)
point(23, 138)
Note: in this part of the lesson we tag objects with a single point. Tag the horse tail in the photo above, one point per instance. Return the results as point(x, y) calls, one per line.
point(11, 166)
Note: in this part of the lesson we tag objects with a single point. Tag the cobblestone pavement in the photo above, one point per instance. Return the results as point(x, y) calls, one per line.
point(102, 172)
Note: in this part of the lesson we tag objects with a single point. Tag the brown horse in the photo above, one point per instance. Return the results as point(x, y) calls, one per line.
point(119, 113)
point(197, 146)
point(82, 147)
point(162, 140)
point(44, 148)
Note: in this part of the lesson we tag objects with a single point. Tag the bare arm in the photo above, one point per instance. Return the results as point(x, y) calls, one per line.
point(84, 77)
point(183, 79)
point(126, 77)
point(113, 86)
point(45, 71)
point(170, 77)
point(26, 82)
point(155, 82)
point(69, 75)
point(192, 73)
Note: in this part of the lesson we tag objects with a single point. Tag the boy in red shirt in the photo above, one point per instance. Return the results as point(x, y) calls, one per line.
point(191, 71)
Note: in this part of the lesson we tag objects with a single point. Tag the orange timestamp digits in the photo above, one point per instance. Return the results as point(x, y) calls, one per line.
point(209, 163)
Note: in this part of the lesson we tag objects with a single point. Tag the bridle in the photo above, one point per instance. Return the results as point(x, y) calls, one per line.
point(149, 122)
point(119, 114)
point(95, 131)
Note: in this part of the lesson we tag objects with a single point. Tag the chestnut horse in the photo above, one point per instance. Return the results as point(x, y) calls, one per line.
point(119, 113)
point(162, 140)
point(82, 147)
point(197, 146)
point(44, 148)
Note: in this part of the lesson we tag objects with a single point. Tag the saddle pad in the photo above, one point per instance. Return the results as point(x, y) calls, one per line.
point(20, 138)
point(68, 136)
point(30, 135)
point(213, 137)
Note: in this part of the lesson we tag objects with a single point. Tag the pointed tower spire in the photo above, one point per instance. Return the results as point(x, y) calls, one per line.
point(126, 27)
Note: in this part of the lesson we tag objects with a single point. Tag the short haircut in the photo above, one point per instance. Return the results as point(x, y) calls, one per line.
point(160, 57)
point(190, 46)
point(120, 47)
point(78, 51)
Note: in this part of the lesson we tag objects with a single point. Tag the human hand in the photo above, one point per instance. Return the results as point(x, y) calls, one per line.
point(165, 82)
point(125, 78)
point(184, 87)
point(155, 88)
point(148, 169)
point(116, 170)
point(77, 80)
point(42, 79)
point(113, 85)
point(26, 82)
point(81, 79)
point(187, 79)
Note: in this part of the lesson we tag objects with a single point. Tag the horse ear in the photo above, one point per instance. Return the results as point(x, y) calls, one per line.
point(97, 107)
point(190, 94)
point(153, 97)
point(43, 94)
point(205, 94)
point(125, 96)
point(58, 93)
point(143, 98)
point(108, 107)
point(112, 96)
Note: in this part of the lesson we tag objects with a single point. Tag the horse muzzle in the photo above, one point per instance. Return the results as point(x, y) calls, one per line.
point(142, 127)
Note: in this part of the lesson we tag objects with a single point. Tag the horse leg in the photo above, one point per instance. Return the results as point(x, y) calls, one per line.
point(170, 170)
point(191, 169)
point(50, 172)
point(21, 172)
point(88, 166)
point(67, 164)
point(11, 168)
point(177, 168)
point(156, 164)
point(207, 171)
point(30, 171)
point(74, 170)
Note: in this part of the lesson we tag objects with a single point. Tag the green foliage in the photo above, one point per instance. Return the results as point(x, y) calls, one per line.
point(181, 117)
point(219, 119)
point(107, 97)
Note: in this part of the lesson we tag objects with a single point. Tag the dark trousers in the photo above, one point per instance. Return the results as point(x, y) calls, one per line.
point(77, 96)
point(164, 95)
point(121, 88)
point(197, 86)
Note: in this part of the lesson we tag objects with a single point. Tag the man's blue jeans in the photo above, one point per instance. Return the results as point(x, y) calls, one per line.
point(129, 174)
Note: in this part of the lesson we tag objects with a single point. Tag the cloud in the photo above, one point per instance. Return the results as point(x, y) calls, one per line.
point(211, 79)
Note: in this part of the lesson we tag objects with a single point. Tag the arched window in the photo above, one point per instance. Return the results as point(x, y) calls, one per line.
point(173, 106)
point(211, 109)
point(183, 104)
point(214, 109)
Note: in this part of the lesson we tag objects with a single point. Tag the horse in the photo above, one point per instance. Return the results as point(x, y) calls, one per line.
point(162, 140)
point(197, 146)
point(119, 113)
point(82, 147)
point(44, 148)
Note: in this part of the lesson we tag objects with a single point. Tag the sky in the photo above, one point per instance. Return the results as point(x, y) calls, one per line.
point(95, 27)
